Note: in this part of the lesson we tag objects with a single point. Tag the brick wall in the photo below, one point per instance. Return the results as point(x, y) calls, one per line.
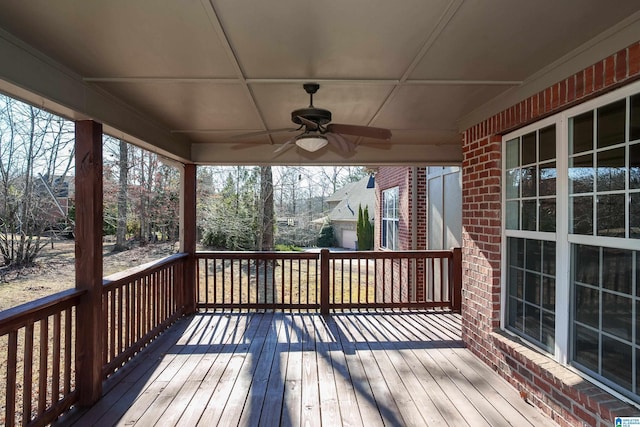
point(402, 177)
point(558, 391)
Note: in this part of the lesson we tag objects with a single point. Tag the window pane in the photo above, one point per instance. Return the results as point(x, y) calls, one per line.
point(512, 184)
point(533, 254)
point(513, 215)
point(529, 181)
point(587, 306)
point(547, 143)
point(634, 216)
point(548, 175)
point(634, 124)
point(611, 124)
point(610, 215)
point(581, 215)
point(617, 266)
point(547, 215)
point(634, 166)
point(516, 283)
point(532, 288)
point(581, 133)
point(516, 314)
point(616, 362)
point(548, 330)
point(549, 258)
point(513, 153)
point(515, 252)
point(581, 174)
point(529, 210)
point(586, 261)
point(616, 315)
point(586, 348)
point(548, 293)
point(611, 170)
point(532, 321)
point(529, 148)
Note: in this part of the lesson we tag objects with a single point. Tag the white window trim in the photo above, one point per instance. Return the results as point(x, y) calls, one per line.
point(384, 219)
point(562, 238)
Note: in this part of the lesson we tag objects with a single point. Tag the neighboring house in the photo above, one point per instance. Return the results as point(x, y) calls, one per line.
point(57, 197)
point(344, 205)
point(418, 208)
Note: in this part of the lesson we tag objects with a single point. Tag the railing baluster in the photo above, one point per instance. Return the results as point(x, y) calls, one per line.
point(120, 319)
point(55, 382)
point(68, 326)
point(43, 375)
point(27, 389)
point(12, 360)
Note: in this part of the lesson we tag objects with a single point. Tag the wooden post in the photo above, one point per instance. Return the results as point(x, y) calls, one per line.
point(324, 282)
point(456, 280)
point(88, 239)
point(188, 237)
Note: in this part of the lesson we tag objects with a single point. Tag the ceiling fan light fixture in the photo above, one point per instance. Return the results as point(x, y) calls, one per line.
point(311, 143)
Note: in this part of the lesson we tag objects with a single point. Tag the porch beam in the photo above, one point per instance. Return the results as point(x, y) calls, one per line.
point(88, 254)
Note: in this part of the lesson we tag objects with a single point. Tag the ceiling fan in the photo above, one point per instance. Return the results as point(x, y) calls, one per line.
point(318, 131)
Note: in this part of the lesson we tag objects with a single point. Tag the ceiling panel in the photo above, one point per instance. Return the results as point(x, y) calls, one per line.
point(511, 40)
point(122, 38)
point(189, 105)
point(361, 39)
point(434, 107)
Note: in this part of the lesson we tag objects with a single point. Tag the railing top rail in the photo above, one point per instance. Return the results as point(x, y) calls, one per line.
point(390, 254)
point(126, 276)
point(257, 255)
point(16, 317)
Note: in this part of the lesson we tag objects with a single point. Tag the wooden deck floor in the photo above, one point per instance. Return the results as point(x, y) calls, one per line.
point(291, 369)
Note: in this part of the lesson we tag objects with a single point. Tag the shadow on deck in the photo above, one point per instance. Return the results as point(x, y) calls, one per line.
point(271, 369)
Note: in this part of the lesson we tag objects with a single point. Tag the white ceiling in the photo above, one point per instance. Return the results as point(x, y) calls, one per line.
point(186, 76)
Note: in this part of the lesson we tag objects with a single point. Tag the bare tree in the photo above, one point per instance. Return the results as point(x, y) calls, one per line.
point(34, 159)
point(265, 242)
point(123, 185)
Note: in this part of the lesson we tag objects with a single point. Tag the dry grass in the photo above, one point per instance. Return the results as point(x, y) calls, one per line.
point(285, 282)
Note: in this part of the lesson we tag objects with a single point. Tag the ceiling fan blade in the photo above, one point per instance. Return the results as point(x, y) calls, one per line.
point(342, 143)
point(310, 124)
point(355, 130)
point(285, 146)
point(262, 132)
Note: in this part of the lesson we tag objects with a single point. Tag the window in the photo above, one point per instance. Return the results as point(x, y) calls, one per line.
point(572, 238)
point(531, 181)
point(532, 289)
point(390, 218)
point(530, 219)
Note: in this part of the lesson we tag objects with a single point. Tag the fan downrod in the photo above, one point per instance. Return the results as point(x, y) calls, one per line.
point(316, 115)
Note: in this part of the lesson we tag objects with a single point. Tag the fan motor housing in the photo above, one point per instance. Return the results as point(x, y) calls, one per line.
point(317, 115)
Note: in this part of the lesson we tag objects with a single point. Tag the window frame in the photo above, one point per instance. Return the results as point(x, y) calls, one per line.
point(388, 218)
point(562, 352)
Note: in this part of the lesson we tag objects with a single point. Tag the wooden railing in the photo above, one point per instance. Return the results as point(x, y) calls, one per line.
point(258, 280)
point(39, 369)
point(138, 304)
point(329, 280)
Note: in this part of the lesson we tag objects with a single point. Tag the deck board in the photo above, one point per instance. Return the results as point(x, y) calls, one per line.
point(272, 369)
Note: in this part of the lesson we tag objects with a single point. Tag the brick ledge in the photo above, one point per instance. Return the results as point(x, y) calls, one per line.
point(558, 391)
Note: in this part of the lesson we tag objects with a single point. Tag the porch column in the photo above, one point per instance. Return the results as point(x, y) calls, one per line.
point(88, 239)
point(188, 235)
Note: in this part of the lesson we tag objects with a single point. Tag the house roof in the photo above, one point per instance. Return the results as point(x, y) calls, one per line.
point(353, 196)
point(186, 77)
